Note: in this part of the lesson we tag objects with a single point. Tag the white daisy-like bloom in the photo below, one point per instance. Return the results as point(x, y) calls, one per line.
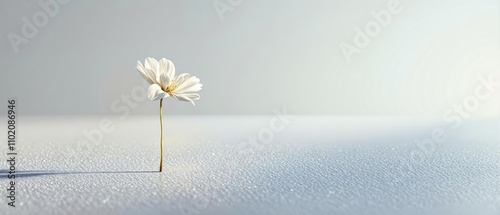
point(164, 83)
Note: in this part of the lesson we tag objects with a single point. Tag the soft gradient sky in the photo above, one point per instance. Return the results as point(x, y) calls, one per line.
point(262, 55)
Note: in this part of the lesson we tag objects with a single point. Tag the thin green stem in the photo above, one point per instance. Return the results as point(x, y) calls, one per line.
point(161, 136)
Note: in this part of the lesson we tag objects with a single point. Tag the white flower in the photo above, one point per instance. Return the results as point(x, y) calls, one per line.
point(164, 83)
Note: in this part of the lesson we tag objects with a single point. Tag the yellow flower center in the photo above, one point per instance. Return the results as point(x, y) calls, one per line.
point(169, 89)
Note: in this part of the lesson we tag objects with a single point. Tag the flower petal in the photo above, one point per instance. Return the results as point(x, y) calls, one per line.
point(153, 65)
point(155, 92)
point(147, 74)
point(164, 80)
point(193, 96)
point(193, 88)
point(187, 97)
point(178, 80)
point(166, 66)
point(190, 84)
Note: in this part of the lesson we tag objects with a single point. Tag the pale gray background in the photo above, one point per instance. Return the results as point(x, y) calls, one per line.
point(261, 55)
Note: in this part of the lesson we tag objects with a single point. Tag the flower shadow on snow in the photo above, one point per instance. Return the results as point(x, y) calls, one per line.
point(32, 173)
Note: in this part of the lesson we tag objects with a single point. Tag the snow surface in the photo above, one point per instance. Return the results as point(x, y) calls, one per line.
point(313, 165)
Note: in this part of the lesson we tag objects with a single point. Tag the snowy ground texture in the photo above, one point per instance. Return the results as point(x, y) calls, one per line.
point(220, 165)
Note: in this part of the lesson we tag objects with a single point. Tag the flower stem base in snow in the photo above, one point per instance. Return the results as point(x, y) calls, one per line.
point(161, 136)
